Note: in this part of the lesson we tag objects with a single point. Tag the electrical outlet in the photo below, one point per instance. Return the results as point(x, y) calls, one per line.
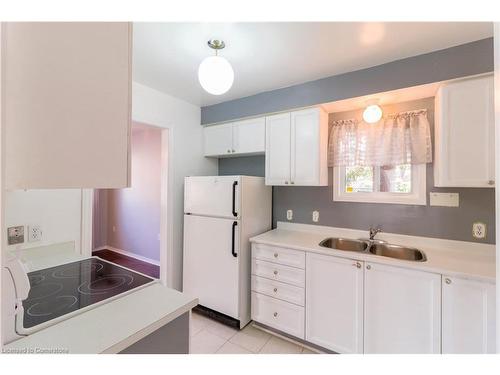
point(315, 216)
point(34, 233)
point(15, 235)
point(289, 215)
point(479, 230)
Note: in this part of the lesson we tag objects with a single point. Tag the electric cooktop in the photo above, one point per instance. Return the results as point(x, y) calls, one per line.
point(64, 289)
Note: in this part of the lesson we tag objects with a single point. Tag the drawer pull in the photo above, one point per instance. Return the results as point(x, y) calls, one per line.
point(275, 314)
point(275, 272)
point(357, 264)
point(275, 255)
point(275, 290)
point(368, 267)
point(447, 281)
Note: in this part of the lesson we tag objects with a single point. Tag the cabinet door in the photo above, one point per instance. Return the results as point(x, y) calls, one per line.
point(218, 140)
point(67, 104)
point(278, 149)
point(308, 147)
point(464, 134)
point(402, 310)
point(468, 316)
point(249, 136)
point(334, 307)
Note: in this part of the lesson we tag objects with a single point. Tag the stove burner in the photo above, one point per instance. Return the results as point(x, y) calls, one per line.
point(76, 270)
point(36, 279)
point(50, 307)
point(105, 284)
point(44, 290)
point(62, 290)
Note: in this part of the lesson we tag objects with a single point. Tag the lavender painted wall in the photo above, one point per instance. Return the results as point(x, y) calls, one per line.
point(131, 216)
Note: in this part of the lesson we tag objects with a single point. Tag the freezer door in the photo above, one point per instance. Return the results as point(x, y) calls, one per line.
point(211, 262)
point(217, 196)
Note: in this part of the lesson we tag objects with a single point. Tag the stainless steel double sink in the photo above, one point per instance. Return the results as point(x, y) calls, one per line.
point(374, 247)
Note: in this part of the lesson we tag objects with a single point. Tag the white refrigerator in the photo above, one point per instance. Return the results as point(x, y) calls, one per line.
point(221, 213)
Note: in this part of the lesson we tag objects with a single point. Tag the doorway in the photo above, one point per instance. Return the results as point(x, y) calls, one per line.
point(127, 223)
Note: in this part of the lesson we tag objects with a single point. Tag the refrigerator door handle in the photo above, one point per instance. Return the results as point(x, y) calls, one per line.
point(235, 214)
point(235, 223)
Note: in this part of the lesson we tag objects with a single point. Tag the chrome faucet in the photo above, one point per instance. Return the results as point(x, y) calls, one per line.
point(373, 232)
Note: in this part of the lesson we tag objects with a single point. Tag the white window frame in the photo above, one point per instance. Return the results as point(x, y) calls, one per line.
point(418, 196)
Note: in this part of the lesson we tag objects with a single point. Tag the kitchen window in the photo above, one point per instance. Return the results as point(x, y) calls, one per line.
point(383, 162)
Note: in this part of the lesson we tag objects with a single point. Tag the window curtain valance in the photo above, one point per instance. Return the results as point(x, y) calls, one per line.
point(402, 138)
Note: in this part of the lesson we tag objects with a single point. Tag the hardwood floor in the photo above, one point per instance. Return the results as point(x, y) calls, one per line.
point(129, 262)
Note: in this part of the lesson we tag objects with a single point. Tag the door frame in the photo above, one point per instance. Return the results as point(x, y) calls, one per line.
point(166, 209)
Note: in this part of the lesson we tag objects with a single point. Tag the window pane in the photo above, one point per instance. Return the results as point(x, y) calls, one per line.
point(395, 178)
point(359, 179)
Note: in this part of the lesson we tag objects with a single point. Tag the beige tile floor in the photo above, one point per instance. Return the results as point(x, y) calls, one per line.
point(209, 336)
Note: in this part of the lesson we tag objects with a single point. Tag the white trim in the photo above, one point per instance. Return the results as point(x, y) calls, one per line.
point(129, 254)
point(87, 209)
point(496, 41)
point(417, 197)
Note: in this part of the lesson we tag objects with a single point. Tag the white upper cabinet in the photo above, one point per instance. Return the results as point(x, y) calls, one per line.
point(468, 316)
point(464, 134)
point(66, 103)
point(278, 153)
point(402, 310)
point(334, 309)
point(245, 137)
point(218, 140)
point(296, 148)
point(249, 136)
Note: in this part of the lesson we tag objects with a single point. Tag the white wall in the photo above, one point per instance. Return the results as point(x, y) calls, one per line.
point(58, 212)
point(152, 107)
point(497, 166)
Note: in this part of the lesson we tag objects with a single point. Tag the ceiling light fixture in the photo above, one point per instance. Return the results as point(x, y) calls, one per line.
point(215, 73)
point(372, 113)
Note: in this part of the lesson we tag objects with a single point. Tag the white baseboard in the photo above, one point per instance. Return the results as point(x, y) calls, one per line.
point(129, 254)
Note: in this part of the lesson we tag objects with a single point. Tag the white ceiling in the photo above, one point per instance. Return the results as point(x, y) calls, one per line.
point(267, 56)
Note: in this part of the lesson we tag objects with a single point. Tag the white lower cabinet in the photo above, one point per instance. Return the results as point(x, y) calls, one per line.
point(468, 316)
point(334, 309)
point(402, 310)
point(350, 306)
point(283, 316)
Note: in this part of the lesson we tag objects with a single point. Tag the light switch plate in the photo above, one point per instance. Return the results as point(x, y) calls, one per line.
point(315, 216)
point(479, 230)
point(444, 199)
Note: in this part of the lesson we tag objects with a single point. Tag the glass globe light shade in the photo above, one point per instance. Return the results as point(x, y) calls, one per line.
point(372, 114)
point(216, 75)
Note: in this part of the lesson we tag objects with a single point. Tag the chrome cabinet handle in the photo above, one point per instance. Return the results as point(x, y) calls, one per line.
point(275, 255)
point(228, 151)
point(275, 272)
point(357, 264)
point(447, 281)
point(233, 151)
point(368, 267)
point(275, 290)
point(293, 183)
point(286, 182)
point(275, 314)
point(491, 182)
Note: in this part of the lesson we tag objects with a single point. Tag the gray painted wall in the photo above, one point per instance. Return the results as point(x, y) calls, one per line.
point(440, 222)
point(460, 61)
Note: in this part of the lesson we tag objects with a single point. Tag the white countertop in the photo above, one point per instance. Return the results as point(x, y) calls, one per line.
point(109, 327)
point(451, 258)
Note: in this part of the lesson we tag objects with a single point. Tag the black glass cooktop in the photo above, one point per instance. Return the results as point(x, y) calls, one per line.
point(63, 289)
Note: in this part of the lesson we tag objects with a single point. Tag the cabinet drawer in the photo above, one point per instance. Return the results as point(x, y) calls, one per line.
point(294, 258)
point(278, 314)
point(278, 272)
point(278, 290)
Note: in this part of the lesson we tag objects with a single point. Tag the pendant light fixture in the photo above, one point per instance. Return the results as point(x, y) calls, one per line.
point(215, 73)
